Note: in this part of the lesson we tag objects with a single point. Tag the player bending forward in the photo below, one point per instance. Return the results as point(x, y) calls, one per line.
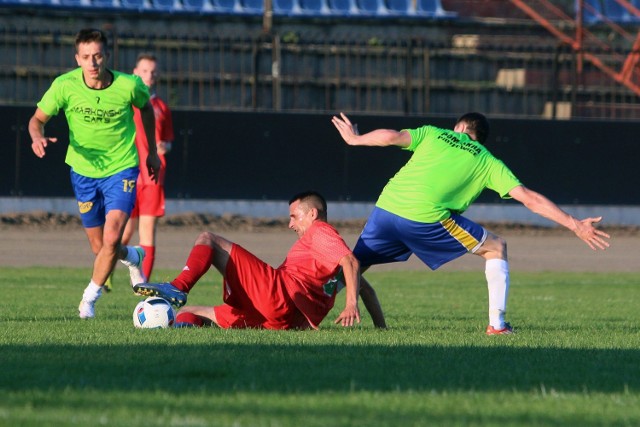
point(296, 295)
point(419, 210)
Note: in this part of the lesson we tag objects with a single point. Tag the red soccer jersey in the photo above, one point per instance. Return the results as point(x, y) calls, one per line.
point(309, 270)
point(164, 132)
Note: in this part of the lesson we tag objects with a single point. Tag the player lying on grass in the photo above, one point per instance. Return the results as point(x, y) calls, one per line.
point(419, 210)
point(296, 295)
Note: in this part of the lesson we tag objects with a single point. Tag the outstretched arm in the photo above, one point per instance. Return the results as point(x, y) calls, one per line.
point(149, 123)
point(371, 302)
point(39, 142)
point(351, 271)
point(379, 137)
point(584, 228)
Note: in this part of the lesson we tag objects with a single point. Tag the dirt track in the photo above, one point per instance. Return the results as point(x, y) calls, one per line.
point(63, 243)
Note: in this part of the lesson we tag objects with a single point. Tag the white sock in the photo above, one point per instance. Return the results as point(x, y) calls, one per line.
point(497, 273)
point(92, 292)
point(132, 258)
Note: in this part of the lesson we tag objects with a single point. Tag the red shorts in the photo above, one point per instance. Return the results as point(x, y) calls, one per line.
point(149, 200)
point(255, 297)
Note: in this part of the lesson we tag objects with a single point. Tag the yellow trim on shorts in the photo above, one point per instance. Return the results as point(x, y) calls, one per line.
point(460, 234)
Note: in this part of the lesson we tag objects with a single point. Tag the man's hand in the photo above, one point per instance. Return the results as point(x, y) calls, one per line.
point(163, 147)
point(349, 315)
point(39, 142)
point(39, 145)
point(347, 130)
point(153, 166)
point(591, 235)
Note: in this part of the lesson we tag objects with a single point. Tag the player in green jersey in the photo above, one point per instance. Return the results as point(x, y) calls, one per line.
point(102, 154)
point(419, 210)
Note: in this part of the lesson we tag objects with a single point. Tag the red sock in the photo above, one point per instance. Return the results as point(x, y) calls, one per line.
point(187, 317)
point(198, 264)
point(148, 261)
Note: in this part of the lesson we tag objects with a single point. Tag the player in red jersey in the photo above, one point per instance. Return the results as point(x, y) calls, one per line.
point(296, 295)
point(150, 195)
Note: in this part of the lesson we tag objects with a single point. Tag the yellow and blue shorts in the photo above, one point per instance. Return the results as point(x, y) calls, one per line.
point(390, 238)
point(97, 196)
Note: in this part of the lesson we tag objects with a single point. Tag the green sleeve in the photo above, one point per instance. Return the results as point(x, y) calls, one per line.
point(140, 93)
point(418, 136)
point(51, 101)
point(502, 180)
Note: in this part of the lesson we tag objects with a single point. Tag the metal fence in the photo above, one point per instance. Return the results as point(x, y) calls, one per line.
point(289, 71)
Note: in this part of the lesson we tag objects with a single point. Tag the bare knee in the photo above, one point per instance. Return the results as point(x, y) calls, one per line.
point(110, 240)
point(494, 247)
point(214, 241)
point(205, 238)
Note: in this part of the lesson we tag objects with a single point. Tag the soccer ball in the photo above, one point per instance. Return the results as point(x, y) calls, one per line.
point(152, 313)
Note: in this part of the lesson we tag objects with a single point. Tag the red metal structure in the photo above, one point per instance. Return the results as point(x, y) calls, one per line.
point(591, 45)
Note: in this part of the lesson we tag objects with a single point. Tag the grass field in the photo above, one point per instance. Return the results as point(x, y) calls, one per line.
point(574, 361)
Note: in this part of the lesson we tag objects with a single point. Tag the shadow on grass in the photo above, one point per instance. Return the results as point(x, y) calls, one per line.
point(317, 368)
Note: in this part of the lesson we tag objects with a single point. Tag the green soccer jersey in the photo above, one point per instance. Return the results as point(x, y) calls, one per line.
point(101, 128)
point(446, 173)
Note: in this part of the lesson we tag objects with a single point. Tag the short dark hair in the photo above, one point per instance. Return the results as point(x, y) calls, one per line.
point(146, 55)
point(88, 35)
point(312, 199)
point(477, 123)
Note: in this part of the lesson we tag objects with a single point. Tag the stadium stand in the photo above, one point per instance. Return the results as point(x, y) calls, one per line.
point(286, 7)
point(226, 6)
point(314, 7)
point(135, 4)
point(340, 7)
point(308, 8)
point(432, 8)
point(597, 11)
point(199, 6)
point(400, 7)
point(105, 4)
point(371, 7)
point(76, 3)
point(166, 5)
point(251, 6)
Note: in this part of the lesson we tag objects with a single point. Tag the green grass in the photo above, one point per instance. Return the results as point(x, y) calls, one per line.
point(574, 361)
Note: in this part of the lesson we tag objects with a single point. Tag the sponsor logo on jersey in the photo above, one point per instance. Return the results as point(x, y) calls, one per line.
point(97, 115)
point(329, 288)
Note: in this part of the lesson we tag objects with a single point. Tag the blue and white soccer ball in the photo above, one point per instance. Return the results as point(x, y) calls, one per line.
point(152, 313)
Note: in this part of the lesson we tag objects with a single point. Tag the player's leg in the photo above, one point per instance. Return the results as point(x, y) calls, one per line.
point(494, 251)
point(129, 229)
point(104, 260)
point(208, 249)
point(256, 295)
point(439, 243)
point(93, 291)
point(223, 316)
point(91, 209)
point(119, 192)
point(195, 316)
point(147, 234)
point(94, 235)
point(151, 206)
point(111, 248)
